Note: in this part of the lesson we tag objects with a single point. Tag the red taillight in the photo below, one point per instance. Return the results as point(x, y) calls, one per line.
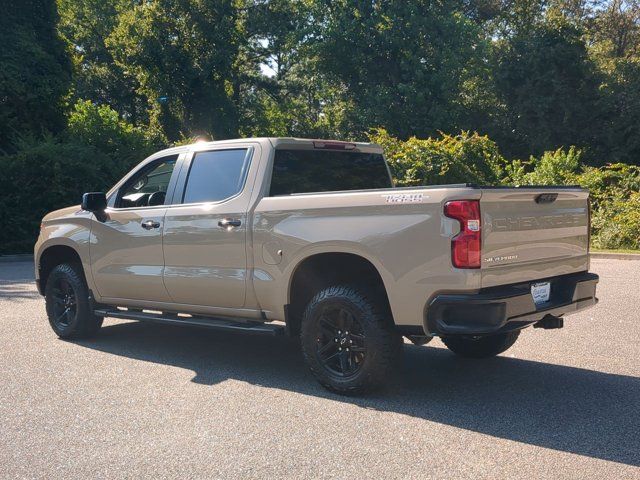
point(465, 246)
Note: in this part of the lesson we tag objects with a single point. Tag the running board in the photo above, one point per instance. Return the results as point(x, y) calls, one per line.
point(194, 321)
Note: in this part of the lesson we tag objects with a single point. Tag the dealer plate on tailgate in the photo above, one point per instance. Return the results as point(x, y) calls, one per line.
point(540, 292)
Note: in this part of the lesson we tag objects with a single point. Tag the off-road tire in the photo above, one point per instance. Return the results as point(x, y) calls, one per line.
point(378, 342)
point(482, 346)
point(419, 340)
point(64, 281)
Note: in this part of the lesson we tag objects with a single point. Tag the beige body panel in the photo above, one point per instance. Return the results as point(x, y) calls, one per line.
point(408, 243)
point(126, 259)
point(204, 263)
point(523, 240)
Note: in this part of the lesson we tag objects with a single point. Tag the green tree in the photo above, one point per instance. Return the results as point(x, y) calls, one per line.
point(614, 39)
point(101, 128)
point(403, 65)
point(549, 88)
point(615, 29)
point(186, 58)
point(619, 133)
point(50, 172)
point(291, 95)
point(35, 71)
point(86, 25)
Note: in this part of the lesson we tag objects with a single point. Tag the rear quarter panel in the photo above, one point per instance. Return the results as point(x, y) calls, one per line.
point(408, 243)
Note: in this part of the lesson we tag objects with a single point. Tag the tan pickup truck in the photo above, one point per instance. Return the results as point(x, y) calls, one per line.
point(310, 238)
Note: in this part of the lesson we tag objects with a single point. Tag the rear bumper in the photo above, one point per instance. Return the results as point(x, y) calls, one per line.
point(508, 307)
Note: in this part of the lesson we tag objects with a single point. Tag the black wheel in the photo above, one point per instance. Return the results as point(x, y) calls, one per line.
point(481, 346)
point(348, 341)
point(68, 306)
point(419, 340)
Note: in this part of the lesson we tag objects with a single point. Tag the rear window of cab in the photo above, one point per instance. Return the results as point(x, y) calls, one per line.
point(310, 171)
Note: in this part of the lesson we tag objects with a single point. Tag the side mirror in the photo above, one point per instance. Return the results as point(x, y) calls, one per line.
point(94, 202)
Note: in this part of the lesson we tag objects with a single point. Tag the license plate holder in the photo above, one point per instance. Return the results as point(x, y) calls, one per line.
point(541, 292)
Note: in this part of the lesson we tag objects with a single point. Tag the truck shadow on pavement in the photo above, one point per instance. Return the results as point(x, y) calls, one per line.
point(569, 409)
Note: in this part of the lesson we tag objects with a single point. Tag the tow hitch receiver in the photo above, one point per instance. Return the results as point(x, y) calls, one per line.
point(549, 322)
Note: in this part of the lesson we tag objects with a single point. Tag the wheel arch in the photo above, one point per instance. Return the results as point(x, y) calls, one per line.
point(52, 256)
point(320, 270)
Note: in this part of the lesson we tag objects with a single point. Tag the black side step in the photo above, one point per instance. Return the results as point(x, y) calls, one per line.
point(194, 321)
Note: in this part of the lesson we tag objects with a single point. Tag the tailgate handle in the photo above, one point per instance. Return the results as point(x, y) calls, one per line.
point(546, 198)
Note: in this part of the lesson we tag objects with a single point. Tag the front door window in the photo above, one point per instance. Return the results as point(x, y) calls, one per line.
point(149, 186)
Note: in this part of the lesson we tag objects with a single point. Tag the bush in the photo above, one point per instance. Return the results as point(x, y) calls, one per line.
point(614, 193)
point(50, 173)
point(615, 203)
point(471, 158)
point(42, 176)
point(558, 167)
point(464, 158)
point(609, 183)
point(618, 226)
point(100, 127)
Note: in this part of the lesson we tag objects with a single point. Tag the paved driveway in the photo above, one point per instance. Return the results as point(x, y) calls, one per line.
point(152, 401)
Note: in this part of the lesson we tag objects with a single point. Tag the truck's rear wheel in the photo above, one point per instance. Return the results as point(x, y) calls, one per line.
point(347, 340)
point(68, 306)
point(481, 346)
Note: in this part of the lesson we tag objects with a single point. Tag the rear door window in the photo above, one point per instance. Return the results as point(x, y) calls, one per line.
point(216, 175)
point(307, 171)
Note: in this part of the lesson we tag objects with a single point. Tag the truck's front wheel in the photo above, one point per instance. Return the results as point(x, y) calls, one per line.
point(348, 342)
point(481, 346)
point(68, 307)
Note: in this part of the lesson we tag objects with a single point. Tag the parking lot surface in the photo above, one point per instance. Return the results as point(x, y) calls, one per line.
point(153, 401)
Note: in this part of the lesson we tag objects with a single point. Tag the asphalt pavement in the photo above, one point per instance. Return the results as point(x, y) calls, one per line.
point(154, 401)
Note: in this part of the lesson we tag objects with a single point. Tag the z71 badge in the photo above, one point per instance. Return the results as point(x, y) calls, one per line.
point(404, 197)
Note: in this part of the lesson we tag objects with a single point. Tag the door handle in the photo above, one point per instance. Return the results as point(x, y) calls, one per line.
point(149, 224)
point(229, 223)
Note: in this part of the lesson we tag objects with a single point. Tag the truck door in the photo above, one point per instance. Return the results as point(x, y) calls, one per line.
point(126, 245)
point(205, 231)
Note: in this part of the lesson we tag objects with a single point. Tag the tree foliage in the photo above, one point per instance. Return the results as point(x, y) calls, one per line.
point(94, 85)
point(548, 85)
point(403, 65)
point(464, 158)
point(86, 26)
point(35, 71)
point(47, 173)
point(186, 57)
point(535, 75)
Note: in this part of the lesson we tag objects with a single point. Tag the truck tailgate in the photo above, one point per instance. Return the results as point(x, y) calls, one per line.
point(533, 233)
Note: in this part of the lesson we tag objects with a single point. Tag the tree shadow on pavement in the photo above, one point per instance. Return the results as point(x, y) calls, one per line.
point(16, 292)
point(17, 282)
point(564, 408)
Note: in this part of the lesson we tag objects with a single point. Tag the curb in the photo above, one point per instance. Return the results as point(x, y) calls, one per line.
point(615, 256)
point(16, 258)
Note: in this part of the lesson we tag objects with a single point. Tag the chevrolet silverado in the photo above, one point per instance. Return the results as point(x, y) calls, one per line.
point(310, 238)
